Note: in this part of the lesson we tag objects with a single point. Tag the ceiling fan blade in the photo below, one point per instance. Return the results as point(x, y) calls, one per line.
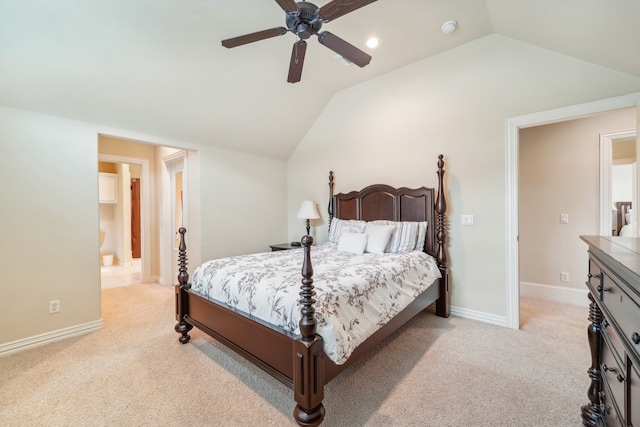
point(344, 49)
point(288, 5)
point(338, 8)
point(297, 60)
point(253, 37)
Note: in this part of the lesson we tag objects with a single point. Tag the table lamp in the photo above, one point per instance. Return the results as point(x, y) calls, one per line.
point(308, 211)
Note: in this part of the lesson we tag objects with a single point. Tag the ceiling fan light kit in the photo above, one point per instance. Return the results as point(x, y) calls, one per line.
point(305, 19)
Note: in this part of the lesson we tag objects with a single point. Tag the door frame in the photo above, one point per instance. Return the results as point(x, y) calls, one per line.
point(168, 271)
point(145, 209)
point(512, 129)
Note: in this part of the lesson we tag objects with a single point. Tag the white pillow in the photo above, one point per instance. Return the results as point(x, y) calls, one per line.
point(378, 237)
point(352, 242)
point(339, 226)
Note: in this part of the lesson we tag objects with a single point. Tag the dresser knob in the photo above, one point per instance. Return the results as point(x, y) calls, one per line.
point(603, 289)
point(620, 378)
point(605, 323)
point(606, 368)
point(635, 338)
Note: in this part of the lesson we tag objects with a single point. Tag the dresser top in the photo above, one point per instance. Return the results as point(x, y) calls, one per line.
point(624, 251)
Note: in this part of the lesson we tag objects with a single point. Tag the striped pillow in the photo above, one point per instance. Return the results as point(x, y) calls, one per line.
point(404, 236)
point(422, 234)
point(339, 226)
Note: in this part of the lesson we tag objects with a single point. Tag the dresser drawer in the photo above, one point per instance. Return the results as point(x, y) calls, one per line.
point(594, 278)
point(612, 339)
point(622, 308)
point(614, 379)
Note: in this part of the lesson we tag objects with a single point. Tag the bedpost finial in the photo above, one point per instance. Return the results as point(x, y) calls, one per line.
point(306, 241)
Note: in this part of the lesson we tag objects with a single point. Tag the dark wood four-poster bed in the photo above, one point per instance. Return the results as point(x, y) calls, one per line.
point(300, 358)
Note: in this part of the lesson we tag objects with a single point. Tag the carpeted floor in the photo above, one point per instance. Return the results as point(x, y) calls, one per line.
point(433, 372)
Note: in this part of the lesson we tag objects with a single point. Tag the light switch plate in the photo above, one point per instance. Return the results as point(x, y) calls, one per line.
point(467, 219)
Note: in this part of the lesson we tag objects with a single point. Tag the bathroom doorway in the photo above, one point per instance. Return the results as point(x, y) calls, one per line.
point(120, 223)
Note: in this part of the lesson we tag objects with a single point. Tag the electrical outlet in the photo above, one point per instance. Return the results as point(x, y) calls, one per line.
point(54, 306)
point(564, 276)
point(467, 219)
point(564, 218)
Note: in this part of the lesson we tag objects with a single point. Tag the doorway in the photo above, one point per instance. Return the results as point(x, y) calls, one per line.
point(513, 126)
point(176, 207)
point(618, 182)
point(126, 227)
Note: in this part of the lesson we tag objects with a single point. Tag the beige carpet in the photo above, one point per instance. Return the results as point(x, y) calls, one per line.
point(434, 372)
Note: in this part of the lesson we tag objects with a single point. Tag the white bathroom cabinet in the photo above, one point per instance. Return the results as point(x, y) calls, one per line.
point(107, 187)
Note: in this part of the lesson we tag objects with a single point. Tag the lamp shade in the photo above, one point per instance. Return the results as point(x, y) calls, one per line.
point(308, 210)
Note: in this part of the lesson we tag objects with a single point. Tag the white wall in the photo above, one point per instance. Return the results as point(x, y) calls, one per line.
point(559, 173)
point(50, 223)
point(391, 129)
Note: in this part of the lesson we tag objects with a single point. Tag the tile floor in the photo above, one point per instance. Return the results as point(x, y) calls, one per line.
point(117, 275)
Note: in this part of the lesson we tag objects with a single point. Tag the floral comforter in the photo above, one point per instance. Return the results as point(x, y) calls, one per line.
point(356, 294)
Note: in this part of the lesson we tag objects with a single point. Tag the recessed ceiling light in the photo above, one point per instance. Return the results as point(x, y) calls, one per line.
point(373, 42)
point(449, 27)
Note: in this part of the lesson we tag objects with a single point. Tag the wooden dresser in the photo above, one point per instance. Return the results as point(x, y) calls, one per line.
point(614, 332)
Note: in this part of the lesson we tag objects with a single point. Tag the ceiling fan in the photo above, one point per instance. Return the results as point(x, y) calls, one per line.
point(305, 19)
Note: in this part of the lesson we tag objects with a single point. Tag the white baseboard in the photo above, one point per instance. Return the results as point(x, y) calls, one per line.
point(480, 316)
point(49, 337)
point(155, 279)
point(560, 294)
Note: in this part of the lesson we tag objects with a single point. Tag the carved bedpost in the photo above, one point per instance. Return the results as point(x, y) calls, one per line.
point(182, 327)
point(442, 304)
point(308, 353)
point(592, 412)
point(330, 208)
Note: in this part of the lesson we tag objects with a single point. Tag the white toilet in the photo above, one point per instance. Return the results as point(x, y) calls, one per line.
point(107, 260)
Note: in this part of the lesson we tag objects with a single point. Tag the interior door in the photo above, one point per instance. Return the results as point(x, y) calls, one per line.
point(135, 218)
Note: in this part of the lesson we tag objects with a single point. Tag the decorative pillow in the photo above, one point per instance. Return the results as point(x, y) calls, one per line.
point(378, 237)
point(422, 234)
point(404, 236)
point(339, 226)
point(352, 242)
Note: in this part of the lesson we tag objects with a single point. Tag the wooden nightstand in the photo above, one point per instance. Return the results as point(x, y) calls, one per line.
point(283, 247)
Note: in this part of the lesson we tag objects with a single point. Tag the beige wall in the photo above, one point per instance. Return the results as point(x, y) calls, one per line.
point(49, 228)
point(390, 130)
point(50, 221)
point(559, 173)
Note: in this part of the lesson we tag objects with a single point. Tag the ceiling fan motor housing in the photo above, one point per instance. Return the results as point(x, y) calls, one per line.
point(305, 21)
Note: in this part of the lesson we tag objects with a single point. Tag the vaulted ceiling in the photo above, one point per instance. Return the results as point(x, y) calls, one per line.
point(158, 67)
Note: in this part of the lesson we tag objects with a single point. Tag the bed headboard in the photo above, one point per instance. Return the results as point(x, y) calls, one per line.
point(381, 201)
point(622, 208)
